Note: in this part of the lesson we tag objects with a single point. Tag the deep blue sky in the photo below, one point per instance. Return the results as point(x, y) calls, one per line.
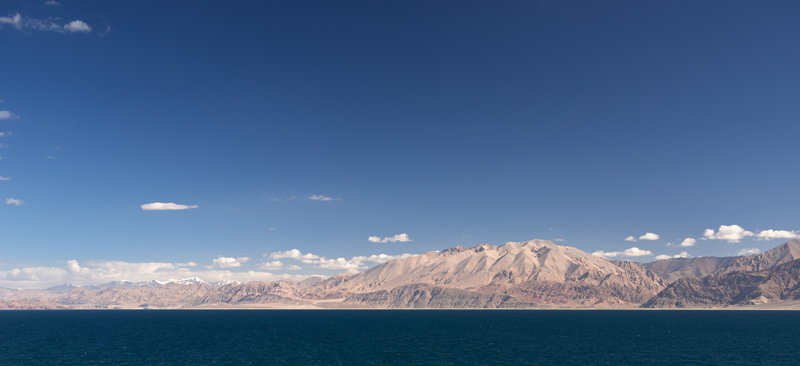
point(457, 123)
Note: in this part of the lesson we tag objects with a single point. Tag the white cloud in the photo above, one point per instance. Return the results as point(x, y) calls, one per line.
point(107, 271)
point(278, 265)
point(749, 251)
point(228, 262)
point(379, 258)
point(6, 114)
point(777, 234)
point(558, 240)
point(280, 199)
point(319, 197)
point(4, 178)
point(732, 233)
point(630, 238)
point(397, 238)
point(77, 26)
point(630, 252)
point(52, 3)
point(271, 265)
point(338, 263)
point(352, 264)
point(18, 22)
point(649, 236)
point(679, 255)
point(294, 254)
point(188, 264)
point(688, 242)
point(161, 206)
point(14, 202)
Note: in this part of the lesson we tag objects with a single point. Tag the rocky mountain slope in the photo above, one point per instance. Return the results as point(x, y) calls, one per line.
point(768, 277)
point(781, 254)
point(780, 283)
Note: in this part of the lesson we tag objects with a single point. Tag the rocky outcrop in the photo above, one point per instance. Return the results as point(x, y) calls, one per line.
point(776, 284)
point(433, 297)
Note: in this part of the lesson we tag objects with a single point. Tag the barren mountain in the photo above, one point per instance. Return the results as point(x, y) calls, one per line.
point(527, 270)
point(776, 284)
point(768, 277)
point(781, 254)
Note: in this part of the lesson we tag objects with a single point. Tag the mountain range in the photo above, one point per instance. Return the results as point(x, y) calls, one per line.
point(532, 274)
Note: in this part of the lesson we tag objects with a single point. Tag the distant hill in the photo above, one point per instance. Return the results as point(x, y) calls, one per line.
point(675, 268)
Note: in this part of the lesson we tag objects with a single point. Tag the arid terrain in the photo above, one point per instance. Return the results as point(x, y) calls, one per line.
point(532, 274)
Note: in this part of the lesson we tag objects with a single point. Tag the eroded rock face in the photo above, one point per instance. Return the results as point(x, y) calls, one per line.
point(776, 284)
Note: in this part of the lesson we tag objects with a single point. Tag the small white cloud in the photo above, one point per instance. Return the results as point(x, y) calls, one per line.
point(731, 234)
point(338, 263)
point(749, 251)
point(228, 262)
point(52, 3)
point(559, 240)
point(379, 258)
point(16, 22)
point(4, 178)
point(294, 254)
point(777, 234)
point(188, 264)
point(688, 242)
point(354, 263)
point(6, 114)
point(274, 265)
point(630, 238)
point(19, 23)
point(679, 255)
point(402, 238)
point(630, 252)
point(319, 197)
point(14, 202)
point(636, 252)
point(161, 206)
point(273, 199)
point(649, 236)
point(77, 26)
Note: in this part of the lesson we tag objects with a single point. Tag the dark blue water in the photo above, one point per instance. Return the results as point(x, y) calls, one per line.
point(402, 337)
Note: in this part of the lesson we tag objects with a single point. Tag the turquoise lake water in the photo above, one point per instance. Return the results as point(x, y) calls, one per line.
point(399, 337)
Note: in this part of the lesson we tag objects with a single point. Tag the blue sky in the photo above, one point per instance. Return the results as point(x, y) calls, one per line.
point(317, 125)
